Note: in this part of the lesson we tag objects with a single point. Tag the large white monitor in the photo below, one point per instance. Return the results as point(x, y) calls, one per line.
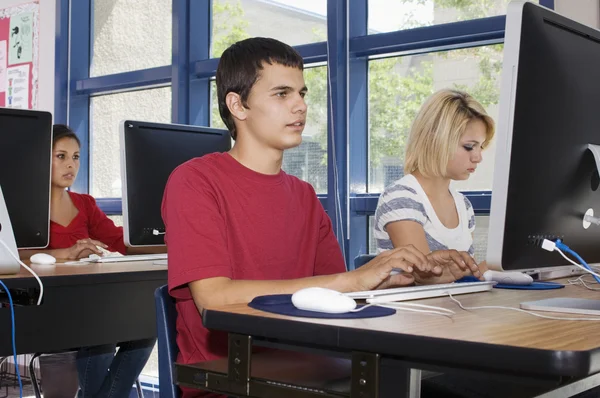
point(545, 177)
point(149, 154)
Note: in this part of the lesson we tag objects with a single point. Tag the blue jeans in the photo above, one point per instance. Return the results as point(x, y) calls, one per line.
point(103, 374)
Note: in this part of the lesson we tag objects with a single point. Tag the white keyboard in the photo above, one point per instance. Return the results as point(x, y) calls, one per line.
point(421, 292)
point(131, 257)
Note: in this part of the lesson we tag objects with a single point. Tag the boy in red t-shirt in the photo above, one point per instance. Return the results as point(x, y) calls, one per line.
point(239, 227)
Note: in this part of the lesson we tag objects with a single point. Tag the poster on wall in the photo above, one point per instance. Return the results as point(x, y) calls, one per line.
point(19, 56)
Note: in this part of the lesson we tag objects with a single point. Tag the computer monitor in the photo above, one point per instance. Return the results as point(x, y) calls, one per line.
point(545, 178)
point(149, 154)
point(25, 170)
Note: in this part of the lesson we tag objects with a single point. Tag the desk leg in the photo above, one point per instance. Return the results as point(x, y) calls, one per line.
point(374, 377)
point(399, 381)
point(574, 388)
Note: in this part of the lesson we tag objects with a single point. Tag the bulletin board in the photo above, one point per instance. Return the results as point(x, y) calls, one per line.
point(19, 56)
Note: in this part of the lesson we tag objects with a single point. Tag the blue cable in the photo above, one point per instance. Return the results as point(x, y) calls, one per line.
point(568, 250)
point(14, 344)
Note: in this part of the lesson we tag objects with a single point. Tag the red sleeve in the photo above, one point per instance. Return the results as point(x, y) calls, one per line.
point(329, 259)
point(103, 228)
point(195, 231)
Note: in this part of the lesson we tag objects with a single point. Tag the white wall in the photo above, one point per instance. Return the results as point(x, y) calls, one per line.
point(46, 50)
point(586, 12)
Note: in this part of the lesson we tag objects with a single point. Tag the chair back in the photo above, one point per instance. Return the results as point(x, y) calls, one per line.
point(362, 259)
point(166, 316)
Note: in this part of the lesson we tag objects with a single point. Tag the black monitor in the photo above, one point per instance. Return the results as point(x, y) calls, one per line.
point(545, 178)
point(149, 154)
point(25, 170)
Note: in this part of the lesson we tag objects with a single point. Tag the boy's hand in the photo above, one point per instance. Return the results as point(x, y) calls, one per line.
point(458, 264)
point(376, 273)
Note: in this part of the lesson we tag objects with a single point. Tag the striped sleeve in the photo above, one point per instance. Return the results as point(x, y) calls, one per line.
point(470, 214)
point(399, 203)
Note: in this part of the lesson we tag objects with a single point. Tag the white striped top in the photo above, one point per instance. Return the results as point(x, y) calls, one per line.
point(406, 200)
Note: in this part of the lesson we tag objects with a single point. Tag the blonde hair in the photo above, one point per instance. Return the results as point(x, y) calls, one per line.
point(437, 129)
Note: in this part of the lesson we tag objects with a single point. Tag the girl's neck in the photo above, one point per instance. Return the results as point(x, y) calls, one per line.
point(433, 186)
point(57, 194)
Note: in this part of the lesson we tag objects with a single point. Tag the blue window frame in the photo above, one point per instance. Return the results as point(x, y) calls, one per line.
point(347, 201)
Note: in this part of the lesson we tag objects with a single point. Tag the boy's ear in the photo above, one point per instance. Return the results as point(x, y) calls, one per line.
point(235, 105)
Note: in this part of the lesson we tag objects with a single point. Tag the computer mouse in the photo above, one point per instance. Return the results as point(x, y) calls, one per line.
point(322, 300)
point(42, 258)
point(508, 278)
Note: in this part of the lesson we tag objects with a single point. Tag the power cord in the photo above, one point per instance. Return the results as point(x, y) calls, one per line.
point(39, 281)
point(580, 281)
point(498, 307)
point(13, 330)
point(411, 307)
point(561, 247)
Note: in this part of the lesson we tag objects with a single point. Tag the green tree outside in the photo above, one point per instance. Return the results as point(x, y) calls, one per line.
point(398, 86)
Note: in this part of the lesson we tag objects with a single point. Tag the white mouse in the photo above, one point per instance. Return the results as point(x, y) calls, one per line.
point(322, 300)
point(42, 258)
point(509, 278)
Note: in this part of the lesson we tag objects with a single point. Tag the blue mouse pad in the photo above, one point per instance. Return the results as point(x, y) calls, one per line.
point(282, 304)
point(533, 286)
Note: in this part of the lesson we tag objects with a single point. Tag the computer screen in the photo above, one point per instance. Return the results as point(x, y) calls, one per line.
point(25, 169)
point(545, 178)
point(149, 153)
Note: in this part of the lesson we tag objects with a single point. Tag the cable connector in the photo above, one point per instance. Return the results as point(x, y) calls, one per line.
point(548, 245)
point(591, 219)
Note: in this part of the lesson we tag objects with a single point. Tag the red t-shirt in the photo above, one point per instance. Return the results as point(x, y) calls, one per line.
point(90, 222)
point(225, 220)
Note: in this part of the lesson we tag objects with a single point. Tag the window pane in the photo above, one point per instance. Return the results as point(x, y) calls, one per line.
point(292, 21)
point(392, 15)
point(309, 160)
point(399, 86)
point(107, 111)
point(130, 35)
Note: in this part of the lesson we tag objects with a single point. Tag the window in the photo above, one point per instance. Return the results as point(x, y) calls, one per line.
point(309, 160)
point(292, 21)
point(107, 111)
point(130, 35)
point(392, 15)
point(399, 86)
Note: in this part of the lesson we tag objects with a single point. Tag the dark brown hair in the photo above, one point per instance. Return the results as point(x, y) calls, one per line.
point(239, 69)
point(60, 131)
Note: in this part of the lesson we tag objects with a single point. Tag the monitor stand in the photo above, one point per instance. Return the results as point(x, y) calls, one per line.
point(544, 274)
point(8, 264)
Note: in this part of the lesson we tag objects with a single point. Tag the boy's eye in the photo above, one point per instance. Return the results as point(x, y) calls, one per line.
point(303, 94)
point(281, 94)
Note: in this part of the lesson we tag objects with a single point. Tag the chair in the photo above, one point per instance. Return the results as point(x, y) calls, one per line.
point(167, 345)
point(362, 259)
point(36, 386)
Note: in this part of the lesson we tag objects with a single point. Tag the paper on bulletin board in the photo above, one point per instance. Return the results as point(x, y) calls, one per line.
point(2, 66)
point(20, 45)
point(17, 88)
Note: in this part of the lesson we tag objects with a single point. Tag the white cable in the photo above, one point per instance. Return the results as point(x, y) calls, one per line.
point(580, 281)
point(407, 307)
point(28, 269)
point(157, 232)
point(576, 264)
point(497, 307)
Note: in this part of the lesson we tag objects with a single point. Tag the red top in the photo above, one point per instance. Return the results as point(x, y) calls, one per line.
point(225, 220)
point(90, 222)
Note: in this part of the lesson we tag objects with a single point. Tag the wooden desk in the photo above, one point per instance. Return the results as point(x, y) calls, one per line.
point(84, 305)
point(488, 341)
